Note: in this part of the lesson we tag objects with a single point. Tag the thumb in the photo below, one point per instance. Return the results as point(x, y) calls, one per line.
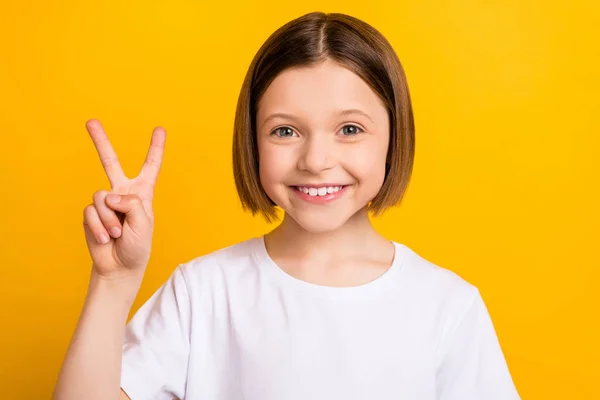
point(130, 205)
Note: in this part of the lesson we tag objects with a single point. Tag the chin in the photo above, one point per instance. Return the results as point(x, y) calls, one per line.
point(317, 222)
point(318, 225)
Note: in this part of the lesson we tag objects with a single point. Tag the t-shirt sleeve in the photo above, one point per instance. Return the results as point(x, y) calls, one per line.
point(156, 347)
point(472, 365)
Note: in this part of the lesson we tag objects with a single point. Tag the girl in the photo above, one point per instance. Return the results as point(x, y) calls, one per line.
point(321, 307)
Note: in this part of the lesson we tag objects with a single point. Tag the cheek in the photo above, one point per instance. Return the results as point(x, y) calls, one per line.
point(274, 163)
point(367, 164)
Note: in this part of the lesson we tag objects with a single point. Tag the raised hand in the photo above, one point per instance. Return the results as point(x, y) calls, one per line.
point(119, 224)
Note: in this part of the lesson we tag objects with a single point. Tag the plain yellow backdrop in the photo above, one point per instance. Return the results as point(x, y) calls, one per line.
point(504, 190)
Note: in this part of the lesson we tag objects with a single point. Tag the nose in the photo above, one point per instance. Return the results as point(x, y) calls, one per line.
point(317, 155)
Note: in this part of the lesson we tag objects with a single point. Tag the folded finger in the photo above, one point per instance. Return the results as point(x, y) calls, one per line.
point(93, 225)
point(109, 218)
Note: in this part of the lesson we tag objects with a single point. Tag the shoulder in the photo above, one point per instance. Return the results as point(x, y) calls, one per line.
point(237, 258)
point(436, 284)
point(440, 297)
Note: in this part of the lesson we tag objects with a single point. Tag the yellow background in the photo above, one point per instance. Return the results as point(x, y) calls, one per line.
point(504, 190)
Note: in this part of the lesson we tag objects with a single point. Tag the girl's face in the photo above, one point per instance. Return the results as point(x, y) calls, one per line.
point(321, 130)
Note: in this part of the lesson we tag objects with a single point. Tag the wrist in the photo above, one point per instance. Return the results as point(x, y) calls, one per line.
point(120, 289)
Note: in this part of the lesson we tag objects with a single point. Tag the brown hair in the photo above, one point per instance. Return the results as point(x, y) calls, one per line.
point(307, 41)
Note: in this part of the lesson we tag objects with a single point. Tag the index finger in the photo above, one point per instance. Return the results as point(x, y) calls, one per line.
point(107, 155)
point(153, 162)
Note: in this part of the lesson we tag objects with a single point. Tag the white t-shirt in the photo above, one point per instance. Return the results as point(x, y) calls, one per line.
point(232, 325)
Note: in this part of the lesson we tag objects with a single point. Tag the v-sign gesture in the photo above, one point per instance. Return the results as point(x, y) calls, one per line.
point(119, 224)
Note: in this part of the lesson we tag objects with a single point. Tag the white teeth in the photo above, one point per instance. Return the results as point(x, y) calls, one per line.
point(322, 191)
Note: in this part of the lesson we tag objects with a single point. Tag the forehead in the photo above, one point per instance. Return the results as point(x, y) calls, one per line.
point(317, 92)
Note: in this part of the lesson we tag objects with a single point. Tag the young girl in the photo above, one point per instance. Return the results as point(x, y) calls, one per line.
point(321, 307)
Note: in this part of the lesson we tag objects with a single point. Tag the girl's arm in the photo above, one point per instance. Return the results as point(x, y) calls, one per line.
point(118, 228)
point(92, 366)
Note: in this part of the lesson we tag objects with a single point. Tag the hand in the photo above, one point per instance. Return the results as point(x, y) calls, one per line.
point(119, 234)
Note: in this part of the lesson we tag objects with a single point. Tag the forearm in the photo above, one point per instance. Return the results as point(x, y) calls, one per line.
point(92, 365)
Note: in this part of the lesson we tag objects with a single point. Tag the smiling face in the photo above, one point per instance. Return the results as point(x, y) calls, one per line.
point(322, 136)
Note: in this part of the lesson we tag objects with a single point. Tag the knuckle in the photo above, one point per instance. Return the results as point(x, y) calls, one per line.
point(87, 211)
point(134, 198)
point(153, 161)
point(99, 196)
point(109, 161)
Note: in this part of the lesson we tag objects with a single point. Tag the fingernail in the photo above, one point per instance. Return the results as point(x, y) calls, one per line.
point(115, 232)
point(113, 198)
point(103, 238)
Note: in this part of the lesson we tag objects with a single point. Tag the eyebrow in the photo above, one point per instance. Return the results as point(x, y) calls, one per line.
point(341, 113)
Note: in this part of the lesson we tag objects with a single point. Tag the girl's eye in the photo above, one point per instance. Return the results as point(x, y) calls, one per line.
point(284, 131)
point(354, 130)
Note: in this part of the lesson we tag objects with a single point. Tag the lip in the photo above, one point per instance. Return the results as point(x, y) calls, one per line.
point(318, 185)
point(329, 197)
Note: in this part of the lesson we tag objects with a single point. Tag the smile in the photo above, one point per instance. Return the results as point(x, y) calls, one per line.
point(320, 194)
point(319, 191)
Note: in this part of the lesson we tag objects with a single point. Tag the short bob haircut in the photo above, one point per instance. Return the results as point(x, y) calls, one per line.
point(307, 41)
